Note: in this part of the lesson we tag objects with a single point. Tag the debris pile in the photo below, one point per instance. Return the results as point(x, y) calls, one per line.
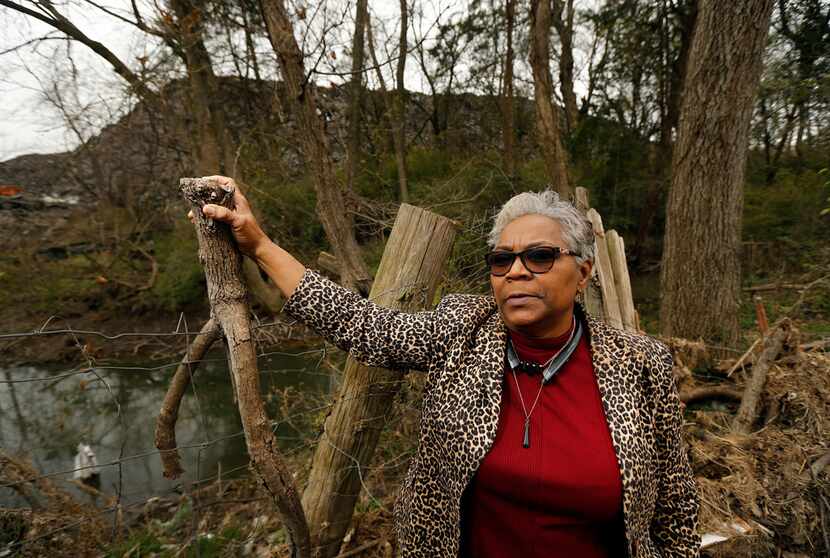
point(757, 429)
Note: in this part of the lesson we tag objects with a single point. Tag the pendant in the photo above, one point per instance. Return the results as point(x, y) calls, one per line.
point(526, 441)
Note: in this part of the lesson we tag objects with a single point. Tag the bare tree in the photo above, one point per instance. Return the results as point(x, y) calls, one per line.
point(301, 95)
point(47, 13)
point(547, 123)
point(563, 21)
point(356, 91)
point(212, 142)
point(393, 103)
point(700, 276)
point(508, 109)
point(399, 131)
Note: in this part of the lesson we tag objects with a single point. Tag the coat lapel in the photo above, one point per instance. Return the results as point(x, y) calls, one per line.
point(614, 366)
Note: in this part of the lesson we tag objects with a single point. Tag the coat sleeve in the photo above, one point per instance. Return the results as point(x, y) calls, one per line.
point(372, 334)
point(674, 527)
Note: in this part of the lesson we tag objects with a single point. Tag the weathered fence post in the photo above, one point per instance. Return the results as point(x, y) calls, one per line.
point(412, 264)
point(227, 294)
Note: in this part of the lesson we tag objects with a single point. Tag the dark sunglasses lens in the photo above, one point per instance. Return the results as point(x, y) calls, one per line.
point(540, 260)
point(500, 262)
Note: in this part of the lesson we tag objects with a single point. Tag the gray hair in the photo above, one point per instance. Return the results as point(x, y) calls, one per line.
point(577, 231)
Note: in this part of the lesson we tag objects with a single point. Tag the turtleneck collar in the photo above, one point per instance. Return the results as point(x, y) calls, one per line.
point(537, 349)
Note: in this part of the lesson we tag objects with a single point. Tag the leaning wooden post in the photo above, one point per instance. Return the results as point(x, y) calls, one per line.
point(412, 264)
point(227, 294)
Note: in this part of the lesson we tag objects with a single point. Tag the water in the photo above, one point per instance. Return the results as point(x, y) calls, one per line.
point(45, 419)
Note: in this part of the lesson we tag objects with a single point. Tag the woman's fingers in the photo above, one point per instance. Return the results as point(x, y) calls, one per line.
point(218, 212)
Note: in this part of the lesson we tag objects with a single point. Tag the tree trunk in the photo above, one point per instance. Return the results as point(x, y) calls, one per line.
point(671, 89)
point(700, 276)
point(227, 294)
point(213, 147)
point(399, 131)
point(508, 112)
point(547, 117)
point(414, 258)
point(356, 92)
point(564, 23)
point(389, 107)
point(332, 210)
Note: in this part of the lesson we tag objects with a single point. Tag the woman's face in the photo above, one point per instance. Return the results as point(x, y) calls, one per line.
point(538, 305)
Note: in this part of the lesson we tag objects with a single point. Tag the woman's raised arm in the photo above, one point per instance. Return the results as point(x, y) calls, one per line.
point(374, 335)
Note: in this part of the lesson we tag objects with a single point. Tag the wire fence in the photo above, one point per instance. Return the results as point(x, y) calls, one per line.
point(112, 407)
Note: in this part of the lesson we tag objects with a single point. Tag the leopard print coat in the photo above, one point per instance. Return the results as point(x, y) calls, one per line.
point(461, 346)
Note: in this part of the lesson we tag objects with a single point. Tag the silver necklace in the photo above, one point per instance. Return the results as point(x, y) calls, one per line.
point(551, 367)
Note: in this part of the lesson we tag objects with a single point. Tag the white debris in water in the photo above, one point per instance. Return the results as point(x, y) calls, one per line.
point(86, 464)
point(55, 199)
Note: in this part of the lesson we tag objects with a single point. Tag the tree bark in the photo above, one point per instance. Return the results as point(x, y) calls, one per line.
point(564, 24)
point(212, 144)
point(547, 117)
point(700, 275)
point(227, 294)
point(332, 210)
point(356, 91)
point(399, 131)
point(508, 111)
point(394, 123)
point(412, 265)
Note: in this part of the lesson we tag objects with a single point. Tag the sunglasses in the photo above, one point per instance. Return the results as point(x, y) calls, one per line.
point(535, 260)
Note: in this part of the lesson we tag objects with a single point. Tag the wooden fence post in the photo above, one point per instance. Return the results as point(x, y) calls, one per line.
point(412, 265)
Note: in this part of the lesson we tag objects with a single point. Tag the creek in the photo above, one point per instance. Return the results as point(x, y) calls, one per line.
point(46, 412)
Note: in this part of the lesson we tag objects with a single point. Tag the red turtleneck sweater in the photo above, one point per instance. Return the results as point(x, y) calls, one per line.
point(562, 496)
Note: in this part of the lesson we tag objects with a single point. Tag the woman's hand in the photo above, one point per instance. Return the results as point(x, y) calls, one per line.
point(249, 236)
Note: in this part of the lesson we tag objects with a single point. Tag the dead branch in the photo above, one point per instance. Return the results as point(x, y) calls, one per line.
point(711, 392)
point(169, 413)
point(227, 294)
point(748, 411)
point(775, 287)
point(744, 356)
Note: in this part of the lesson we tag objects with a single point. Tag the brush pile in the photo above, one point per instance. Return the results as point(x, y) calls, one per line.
point(757, 429)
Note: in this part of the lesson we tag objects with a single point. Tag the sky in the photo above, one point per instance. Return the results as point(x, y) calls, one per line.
point(27, 124)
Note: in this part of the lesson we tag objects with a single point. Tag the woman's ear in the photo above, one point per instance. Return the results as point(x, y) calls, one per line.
point(584, 274)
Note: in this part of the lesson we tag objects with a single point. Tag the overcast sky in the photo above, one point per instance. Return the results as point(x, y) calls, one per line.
point(27, 124)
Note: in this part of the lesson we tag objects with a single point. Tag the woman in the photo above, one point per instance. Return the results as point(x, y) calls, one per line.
point(544, 432)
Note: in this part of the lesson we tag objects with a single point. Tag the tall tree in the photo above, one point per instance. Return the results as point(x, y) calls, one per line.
point(394, 124)
point(300, 92)
point(700, 276)
point(399, 131)
point(356, 91)
point(213, 146)
point(508, 109)
point(547, 117)
point(563, 21)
